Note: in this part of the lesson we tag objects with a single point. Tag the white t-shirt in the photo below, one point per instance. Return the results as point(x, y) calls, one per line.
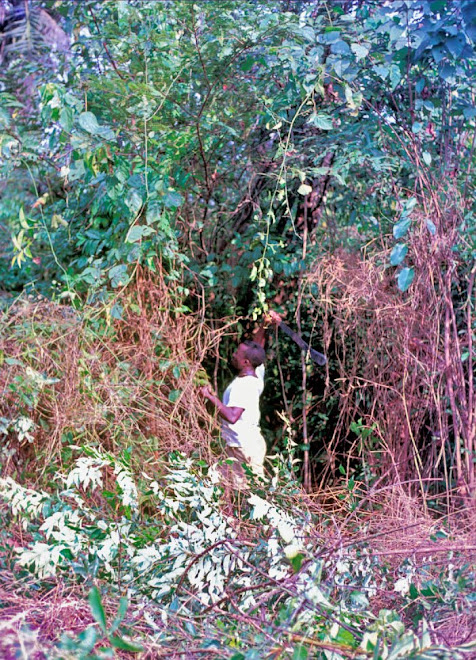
point(244, 392)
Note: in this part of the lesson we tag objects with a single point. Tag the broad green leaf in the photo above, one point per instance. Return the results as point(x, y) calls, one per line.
point(448, 73)
point(117, 311)
point(413, 593)
point(345, 637)
point(382, 71)
point(410, 204)
point(456, 45)
point(97, 608)
point(66, 119)
point(88, 122)
point(137, 232)
point(359, 600)
point(124, 645)
point(153, 213)
point(405, 278)
point(340, 47)
point(296, 562)
point(469, 112)
point(426, 157)
point(401, 228)
point(174, 395)
point(416, 127)
point(300, 653)
point(118, 276)
point(248, 63)
point(360, 50)
point(76, 170)
point(468, 10)
point(304, 189)
point(172, 199)
point(324, 122)
point(319, 171)
point(134, 234)
point(398, 254)
point(134, 202)
point(88, 638)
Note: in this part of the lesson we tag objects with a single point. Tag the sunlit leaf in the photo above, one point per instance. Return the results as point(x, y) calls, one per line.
point(304, 189)
point(324, 122)
point(360, 50)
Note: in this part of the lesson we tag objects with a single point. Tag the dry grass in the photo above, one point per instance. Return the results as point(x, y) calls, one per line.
point(131, 382)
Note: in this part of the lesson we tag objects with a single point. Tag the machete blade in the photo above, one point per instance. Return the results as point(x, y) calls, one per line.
point(318, 358)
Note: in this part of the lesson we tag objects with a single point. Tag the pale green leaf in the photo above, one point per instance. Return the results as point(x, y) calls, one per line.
point(360, 50)
point(398, 254)
point(304, 189)
point(118, 275)
point(381, 70)
point(88, 122)
point(430, 225)
point(66, 119)
point(137, 232)
point(134, 201)
point(172, 199)
point(322, 121)
point(401, 228)
point(405, 278)
point(300, 653)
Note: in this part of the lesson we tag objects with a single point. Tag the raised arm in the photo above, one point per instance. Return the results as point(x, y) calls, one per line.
point(271, 318)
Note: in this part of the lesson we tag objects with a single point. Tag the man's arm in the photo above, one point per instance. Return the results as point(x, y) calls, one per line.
point(271, 318)
point(231, 413)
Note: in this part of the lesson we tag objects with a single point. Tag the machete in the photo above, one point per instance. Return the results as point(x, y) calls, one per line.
point(315, 356)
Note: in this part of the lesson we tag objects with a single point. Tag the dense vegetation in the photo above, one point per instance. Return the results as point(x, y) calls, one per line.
point(169, 171)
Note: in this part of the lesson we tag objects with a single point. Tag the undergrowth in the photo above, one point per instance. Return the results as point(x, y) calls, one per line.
point(122, 537)
point(262, 574)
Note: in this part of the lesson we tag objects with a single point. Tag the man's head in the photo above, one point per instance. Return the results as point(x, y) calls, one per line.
point(248, 354)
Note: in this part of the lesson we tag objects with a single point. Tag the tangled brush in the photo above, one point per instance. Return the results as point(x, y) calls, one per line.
point(404, 359)
point(74, 378)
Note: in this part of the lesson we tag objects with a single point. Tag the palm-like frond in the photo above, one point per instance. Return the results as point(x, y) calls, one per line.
point(28, 29)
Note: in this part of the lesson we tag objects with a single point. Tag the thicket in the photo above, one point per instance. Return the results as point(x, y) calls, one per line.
point(168, 170)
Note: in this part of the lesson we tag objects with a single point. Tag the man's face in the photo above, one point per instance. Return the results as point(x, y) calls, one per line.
point(239, 359)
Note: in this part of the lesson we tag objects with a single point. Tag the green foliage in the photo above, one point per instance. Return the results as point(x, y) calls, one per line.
point(152, 157)
point(224, 146)
point(187, 557)
point(85, 643)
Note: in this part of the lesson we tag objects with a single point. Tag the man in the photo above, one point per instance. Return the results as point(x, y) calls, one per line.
point(239, 409)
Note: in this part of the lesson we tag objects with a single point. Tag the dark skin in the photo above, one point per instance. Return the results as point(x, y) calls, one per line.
point(244, 368)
